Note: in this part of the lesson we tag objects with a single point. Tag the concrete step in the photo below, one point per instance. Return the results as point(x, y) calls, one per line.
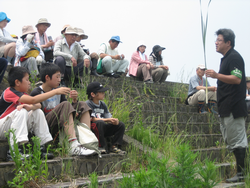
point(216, 154)
point(186, 128)
point(77, 166)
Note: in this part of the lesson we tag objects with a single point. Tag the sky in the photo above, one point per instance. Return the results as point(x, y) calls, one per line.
point(173, 24)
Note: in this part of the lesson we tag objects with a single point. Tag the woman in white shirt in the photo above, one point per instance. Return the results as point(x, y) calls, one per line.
point(7, 43)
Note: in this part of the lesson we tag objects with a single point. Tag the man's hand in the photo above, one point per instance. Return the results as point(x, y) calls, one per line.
point(117, 57)
point(25, 106)
point(211, 73)
point(73, 95)
point(74, 62)
point(122, 56)
point(50, 43)
point(213, 88)
point(62, 91)
point(86, 63)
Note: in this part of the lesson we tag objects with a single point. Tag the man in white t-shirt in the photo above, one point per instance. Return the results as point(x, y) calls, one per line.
point(113, 63)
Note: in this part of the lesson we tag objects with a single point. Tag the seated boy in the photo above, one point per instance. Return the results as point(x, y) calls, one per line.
point(59, 112)
point(21, 112)
point(106, 125)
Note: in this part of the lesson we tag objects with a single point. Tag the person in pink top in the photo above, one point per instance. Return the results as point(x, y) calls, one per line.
point(139, 66)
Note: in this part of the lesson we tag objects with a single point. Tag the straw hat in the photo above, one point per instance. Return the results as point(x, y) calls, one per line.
point(71, 30)
point(80, 32)
point(43, 21)
point(64, 27)
point(27, 29)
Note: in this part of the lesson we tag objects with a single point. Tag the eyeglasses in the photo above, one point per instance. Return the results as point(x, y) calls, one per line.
point(219, 40)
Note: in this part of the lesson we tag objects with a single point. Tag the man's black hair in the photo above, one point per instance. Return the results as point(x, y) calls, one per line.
point(228, 35)
point(16, 73)
point(48, 69)
point(113, 40)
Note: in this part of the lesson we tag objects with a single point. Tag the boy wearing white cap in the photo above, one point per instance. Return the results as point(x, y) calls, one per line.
point(197, 91)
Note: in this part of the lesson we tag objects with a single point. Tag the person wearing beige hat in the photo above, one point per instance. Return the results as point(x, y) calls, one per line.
point(66, 54)
point(7, 42)
point(29, 53)
point(80, 35)
point(60, 37)
point(140, 66)
point(197, 91)
point(45, 41)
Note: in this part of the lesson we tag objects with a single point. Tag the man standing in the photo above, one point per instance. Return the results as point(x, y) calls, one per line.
point(197, 91)
point(231, 94)
point(113, 64)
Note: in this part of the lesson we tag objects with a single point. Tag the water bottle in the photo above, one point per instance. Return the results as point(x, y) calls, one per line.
point(50, 38)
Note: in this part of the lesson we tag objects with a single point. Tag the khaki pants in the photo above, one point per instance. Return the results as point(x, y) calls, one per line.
point(143, 72)
point(200, 96)
point(159, 74)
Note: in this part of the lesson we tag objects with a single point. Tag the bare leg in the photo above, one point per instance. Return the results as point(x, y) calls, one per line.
point(69, 128)
point(86, 119)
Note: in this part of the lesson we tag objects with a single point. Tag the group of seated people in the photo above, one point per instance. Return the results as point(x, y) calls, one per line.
point(35, 47)
point(46, 112)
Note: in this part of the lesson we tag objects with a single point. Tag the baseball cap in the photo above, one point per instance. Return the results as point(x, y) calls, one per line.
point(96, 87)
point(247, 79)
point(201, 66)
point(116, 38)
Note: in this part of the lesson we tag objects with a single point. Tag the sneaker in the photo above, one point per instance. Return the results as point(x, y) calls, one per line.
point(77, 149)
point(112, 75)
point(102, 150)
point(148, 82)
point(117, 150)
point(44, 153)
point(10, 159)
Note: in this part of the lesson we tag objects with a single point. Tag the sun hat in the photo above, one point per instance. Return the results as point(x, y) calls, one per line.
point(95, 87)
point(27, 29)
point(158, 48)
point(71, 30)
point(80, 32)
point(116, 38)
point(201, 66)
point(141, 43)
point(43, 21)
point(64, 27)
point(3, 16)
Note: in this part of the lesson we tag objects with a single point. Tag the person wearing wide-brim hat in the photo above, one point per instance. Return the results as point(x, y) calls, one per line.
point(60, 37)
point(7, 43)
point(69, 54)
point(140, 67)
point(45, 41)
point(113, 64)
point(29, 53)
point(160, 71)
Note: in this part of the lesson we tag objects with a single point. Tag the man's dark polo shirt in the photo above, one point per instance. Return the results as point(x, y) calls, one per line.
point(231, 97)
